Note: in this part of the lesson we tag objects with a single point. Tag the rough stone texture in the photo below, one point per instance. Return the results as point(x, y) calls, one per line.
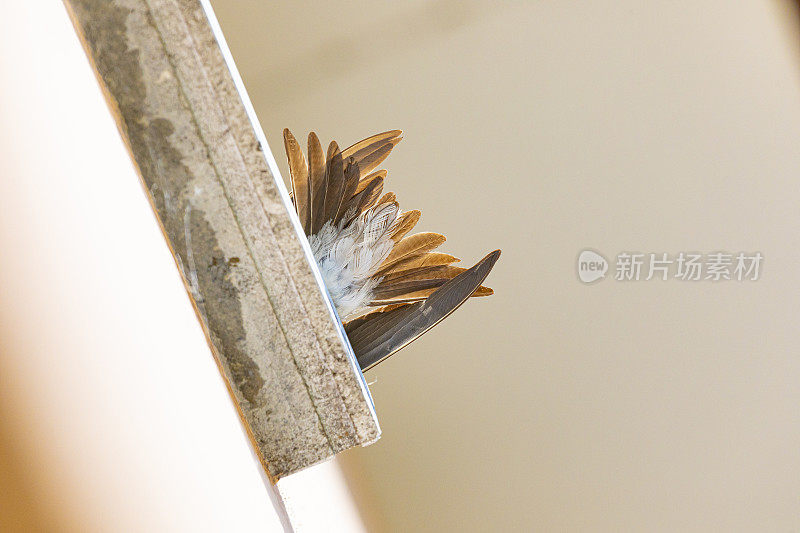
point(226, 220)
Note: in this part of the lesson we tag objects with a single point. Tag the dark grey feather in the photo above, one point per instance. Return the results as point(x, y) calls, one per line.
point(378, 335)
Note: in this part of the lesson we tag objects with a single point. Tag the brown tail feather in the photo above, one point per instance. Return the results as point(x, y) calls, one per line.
point(298, 169)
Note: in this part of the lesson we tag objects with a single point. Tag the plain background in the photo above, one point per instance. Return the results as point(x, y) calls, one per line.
point(544, 128)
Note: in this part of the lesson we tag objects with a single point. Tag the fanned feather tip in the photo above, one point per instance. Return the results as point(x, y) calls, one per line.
point(377, 274)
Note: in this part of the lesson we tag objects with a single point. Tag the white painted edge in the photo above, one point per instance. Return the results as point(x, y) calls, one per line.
point(273, 167)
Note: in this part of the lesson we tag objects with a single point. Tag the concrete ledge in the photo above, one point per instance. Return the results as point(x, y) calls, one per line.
point(206, 168)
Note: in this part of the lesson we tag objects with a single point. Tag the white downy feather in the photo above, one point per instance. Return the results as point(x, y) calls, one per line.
point(349, 255)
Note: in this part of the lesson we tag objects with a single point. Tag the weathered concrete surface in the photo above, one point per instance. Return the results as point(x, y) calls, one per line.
point(268, 323)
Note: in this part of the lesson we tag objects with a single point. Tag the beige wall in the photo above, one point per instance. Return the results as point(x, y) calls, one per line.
point(543, 128)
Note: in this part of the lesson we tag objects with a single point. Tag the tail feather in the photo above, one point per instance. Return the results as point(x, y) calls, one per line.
point(316, 164)
point(351, 174)
point(298, 168)
point(429, 259)
point(334, 179)
point(405, 223)
point(371, 152)
point(416, 244)
point(380, 334)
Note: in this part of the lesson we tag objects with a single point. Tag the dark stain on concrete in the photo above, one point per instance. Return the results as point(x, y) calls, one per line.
point(167, 178)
